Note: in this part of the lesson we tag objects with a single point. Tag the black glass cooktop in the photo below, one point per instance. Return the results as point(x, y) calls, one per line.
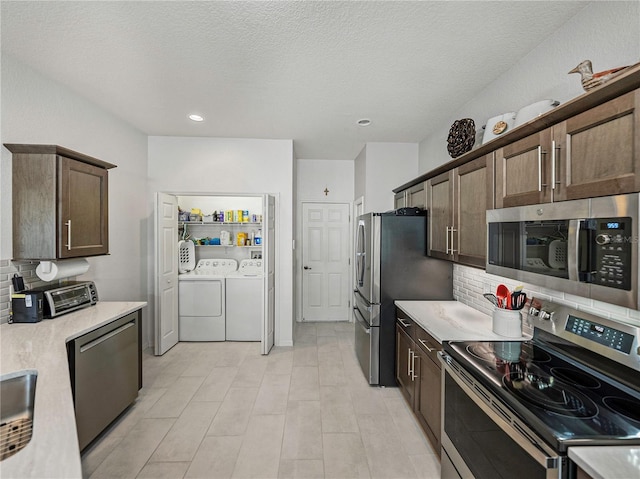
point(560, 399)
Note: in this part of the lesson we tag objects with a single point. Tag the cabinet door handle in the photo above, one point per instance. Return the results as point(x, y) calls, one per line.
point(413, 366)
point(540, 153)
point(409, 372)
point(452, 230)
point(422, 341)
point(555, 161)
point(68, 225)
point(401, 321)
point(447, 241)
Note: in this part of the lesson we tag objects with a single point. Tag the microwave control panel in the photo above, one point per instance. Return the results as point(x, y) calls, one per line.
point(612, 252)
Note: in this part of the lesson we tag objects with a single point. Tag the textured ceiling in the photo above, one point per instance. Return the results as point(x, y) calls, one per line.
point(305, 71)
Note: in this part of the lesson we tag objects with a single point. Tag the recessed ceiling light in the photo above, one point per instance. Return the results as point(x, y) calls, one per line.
point(364, 122)
point(196, 117)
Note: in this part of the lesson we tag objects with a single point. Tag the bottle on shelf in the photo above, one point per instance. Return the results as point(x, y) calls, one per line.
point(258, 238)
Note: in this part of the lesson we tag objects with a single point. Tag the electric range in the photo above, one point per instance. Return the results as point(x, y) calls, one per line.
point(577, 382)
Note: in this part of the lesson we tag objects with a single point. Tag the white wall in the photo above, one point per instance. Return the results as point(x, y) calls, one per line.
point(380, 168)
point(227, 165)
point(360, 173)
point(313, 176)
point(37, 110)
point(607, 33)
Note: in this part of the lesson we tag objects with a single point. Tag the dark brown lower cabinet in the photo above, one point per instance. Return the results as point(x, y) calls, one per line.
point(428, 400)
point(583, 475)
point(418, 374)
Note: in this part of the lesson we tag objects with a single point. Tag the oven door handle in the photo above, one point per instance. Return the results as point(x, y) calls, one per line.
point(525, 438)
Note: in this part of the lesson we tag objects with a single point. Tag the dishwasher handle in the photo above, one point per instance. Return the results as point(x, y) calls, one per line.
point(107, 336)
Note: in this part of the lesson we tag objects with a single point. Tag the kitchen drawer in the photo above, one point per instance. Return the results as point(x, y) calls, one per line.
point(405, 323)
point(427, 343)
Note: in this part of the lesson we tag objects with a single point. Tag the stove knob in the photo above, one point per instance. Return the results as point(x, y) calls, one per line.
point(546, 315)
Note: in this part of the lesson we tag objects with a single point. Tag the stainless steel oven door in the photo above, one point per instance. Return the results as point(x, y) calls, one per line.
point(483, 439)
point(367, 343)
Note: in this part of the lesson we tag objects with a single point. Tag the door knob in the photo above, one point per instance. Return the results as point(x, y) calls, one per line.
point(306, 267)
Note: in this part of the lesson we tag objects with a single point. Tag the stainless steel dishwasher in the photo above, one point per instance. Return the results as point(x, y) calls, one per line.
point(105, 372)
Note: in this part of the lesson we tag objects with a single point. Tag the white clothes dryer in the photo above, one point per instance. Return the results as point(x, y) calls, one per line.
point(201, 296)
point(245, 301)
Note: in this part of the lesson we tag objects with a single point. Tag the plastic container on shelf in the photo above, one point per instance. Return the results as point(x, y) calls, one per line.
point(258, 238)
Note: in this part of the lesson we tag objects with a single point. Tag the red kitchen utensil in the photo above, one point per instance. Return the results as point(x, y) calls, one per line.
point(504, 296)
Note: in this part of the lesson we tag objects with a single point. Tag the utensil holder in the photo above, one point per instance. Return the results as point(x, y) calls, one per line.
point(507, 323)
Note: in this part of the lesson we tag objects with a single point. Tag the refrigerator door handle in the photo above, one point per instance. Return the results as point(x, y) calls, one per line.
point(361, 299)
point(361, 263)
point(361, 322)
point(360, 253)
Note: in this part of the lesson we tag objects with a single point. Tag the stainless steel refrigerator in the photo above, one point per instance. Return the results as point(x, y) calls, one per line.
point(391, 264)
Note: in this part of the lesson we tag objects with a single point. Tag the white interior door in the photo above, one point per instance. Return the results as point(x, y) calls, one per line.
point(325, 262)
point(269, 258)
point(166, 277)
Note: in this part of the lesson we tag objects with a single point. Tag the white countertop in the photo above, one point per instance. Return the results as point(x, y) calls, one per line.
point(53, 450)
point(452, 321)
point(607, 462)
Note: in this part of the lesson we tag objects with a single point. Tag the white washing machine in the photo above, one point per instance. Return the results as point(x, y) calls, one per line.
point(201, 300)
point(245, 301)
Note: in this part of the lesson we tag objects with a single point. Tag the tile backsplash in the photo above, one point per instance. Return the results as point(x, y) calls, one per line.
point(470, 283)
point(26, 269)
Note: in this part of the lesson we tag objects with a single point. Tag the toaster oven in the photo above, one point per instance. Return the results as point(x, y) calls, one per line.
point(61, 299)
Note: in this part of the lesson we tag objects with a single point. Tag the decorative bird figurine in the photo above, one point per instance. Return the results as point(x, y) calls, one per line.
point(591, 80)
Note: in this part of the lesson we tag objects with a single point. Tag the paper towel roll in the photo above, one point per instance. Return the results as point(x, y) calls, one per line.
point(53, 270)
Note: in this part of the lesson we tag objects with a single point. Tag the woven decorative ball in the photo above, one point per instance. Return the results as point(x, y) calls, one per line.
point(462, 136)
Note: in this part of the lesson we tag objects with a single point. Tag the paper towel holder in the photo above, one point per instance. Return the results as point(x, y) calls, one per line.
point(51, 270)
point(46, 266)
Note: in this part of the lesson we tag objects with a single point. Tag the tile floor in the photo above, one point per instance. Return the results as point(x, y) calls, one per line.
point(221, 410)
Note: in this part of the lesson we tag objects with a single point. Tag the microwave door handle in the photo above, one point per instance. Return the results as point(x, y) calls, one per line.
point(585, 252)
point(573, 250)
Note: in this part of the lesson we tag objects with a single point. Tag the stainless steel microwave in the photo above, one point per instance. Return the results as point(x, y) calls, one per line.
point(587, 247)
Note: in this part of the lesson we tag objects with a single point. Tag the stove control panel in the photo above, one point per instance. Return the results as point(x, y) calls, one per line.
point(605, 335)
point(610, 338)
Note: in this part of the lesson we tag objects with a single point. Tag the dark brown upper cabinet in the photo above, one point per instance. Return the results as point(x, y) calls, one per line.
point(60, 203)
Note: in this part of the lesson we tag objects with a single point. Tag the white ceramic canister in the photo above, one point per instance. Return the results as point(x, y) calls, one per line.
point(507, 323)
